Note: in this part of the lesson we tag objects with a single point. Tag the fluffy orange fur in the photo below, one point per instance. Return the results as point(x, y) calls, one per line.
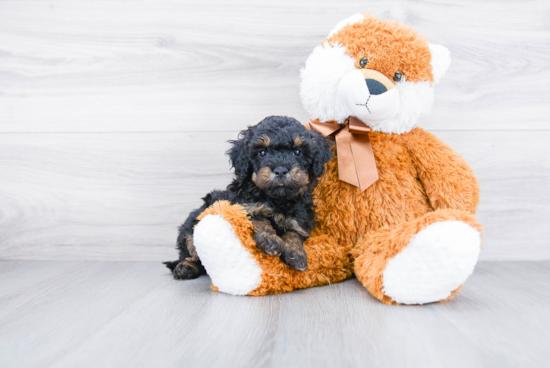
point(328, 262)
point(421, 181)
point(390, 47)
point(378, 247)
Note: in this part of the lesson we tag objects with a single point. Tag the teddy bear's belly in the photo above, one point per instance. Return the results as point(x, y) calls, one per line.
point(346, 213)
point(395, 198)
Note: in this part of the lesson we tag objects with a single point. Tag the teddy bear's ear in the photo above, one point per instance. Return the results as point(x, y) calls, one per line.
point(441, 59)
point(355, 18)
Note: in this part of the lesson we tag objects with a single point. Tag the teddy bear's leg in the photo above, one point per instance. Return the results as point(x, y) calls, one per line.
point(224, 243)
point(421, 261)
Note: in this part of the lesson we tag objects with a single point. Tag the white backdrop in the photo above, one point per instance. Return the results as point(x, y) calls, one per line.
point(114, 115)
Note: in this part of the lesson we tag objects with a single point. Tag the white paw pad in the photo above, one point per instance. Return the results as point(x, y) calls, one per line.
point(436, 261)
point(231, 268)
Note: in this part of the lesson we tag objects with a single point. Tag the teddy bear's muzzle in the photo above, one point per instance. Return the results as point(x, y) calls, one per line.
point(369, 95)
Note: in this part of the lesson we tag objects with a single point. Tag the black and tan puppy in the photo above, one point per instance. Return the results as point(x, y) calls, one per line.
point(277, 163)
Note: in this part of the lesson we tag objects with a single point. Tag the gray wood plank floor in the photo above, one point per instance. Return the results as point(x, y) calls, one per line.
point(133, 314)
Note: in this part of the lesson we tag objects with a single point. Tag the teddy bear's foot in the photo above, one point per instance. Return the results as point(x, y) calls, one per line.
point(421, 261)
point(231, 267)
point(225, 244)
point(436, 262)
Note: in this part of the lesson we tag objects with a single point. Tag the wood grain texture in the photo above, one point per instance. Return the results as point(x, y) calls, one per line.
point(104, 196)
point(114, 115)
point(113, 314)
point(67, 307)
point(121, 196)
point(171, 65)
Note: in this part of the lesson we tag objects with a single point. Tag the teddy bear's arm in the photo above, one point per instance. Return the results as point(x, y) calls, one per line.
point(447, 178)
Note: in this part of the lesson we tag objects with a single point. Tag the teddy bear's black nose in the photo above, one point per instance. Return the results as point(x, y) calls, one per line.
point(375, 87)
point(280, 171)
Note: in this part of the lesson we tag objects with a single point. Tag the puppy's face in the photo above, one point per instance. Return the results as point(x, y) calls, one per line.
point(280, 163)
point(280, 156)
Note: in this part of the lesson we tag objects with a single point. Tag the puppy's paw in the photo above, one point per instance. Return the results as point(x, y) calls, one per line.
point(295, 258)
point(186, 270)
point(268, 243)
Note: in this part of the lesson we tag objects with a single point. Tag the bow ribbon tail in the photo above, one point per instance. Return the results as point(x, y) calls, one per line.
point(346, 162)
point(367, 174)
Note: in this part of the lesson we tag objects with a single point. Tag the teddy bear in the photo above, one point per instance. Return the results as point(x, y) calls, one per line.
point(395, 206)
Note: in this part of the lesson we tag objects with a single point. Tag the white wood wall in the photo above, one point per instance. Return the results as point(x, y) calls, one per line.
point(114, 115)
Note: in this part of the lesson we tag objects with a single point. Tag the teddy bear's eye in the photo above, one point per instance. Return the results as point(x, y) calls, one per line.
point(363, 62)
point(397, 77)
point(262, 153)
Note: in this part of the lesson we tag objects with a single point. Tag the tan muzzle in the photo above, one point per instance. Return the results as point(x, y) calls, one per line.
point(370, 74)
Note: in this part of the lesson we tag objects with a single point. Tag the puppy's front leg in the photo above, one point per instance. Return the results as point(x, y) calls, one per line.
point(266, 237)
point(294, 254)
point(189, 266)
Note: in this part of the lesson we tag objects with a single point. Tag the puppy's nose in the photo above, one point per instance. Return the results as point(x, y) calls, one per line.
point(280, 171)
point(375, 87)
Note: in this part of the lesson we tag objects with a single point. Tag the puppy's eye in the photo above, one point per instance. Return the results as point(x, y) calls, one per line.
point(297, 153)
point(397, 77)
point(262, 153)
point(363, 62)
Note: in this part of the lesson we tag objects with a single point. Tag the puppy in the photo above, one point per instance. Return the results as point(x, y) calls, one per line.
point(277, 163)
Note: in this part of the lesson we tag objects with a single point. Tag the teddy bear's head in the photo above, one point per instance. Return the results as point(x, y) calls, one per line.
point(378, 71)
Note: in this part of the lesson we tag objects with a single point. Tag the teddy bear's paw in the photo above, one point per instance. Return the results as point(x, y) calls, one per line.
point(231, 267)
point(437, 261)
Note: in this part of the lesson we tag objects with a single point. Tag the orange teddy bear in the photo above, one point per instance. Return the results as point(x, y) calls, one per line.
point(395, 206)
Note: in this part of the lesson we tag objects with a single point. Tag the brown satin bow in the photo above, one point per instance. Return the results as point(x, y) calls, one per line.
point(356, 163)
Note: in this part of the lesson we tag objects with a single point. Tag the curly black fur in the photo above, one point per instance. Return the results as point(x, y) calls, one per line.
point(277, 163)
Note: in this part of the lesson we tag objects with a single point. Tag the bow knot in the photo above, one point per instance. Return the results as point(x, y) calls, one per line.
point(356, 164)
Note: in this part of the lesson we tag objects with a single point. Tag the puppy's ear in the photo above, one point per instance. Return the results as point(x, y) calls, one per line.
point(239, 155)
point(321, 153)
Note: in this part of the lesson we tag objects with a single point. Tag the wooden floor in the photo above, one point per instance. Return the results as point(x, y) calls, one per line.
point(133, 314)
